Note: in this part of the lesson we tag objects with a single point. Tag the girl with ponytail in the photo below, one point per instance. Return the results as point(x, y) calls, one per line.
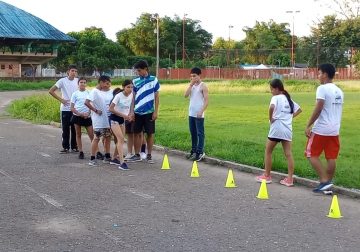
point(282, 109)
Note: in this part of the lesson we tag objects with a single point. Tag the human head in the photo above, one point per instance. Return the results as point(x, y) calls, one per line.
point(276, 86)
point(195, 70)
point(72, 71)
point(326, 73)
point(195, 73)
point(104, 82)
point(127, 86)
point(82, 83)
point(142, 68)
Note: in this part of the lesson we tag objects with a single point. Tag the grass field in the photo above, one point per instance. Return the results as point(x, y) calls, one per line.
point(236, 124)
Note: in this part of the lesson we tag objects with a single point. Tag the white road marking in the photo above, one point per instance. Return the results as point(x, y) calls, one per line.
point(44, 196)
point(140, 194)
point(44, 154)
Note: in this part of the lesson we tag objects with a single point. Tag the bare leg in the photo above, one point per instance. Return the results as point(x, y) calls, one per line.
point(130, 142)
point(78, 136)
point(137, 142)
point(116, 129)
point(317, 165)
point(288, 154)
point(270, 145)
point(94, 145)
point(149, 142)
point(331, 165)
point(90, 132)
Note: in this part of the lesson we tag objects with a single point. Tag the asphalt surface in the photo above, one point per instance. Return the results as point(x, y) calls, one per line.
point(53, 202)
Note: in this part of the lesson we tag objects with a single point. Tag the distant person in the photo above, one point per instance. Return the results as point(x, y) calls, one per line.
point(323, 127)
point(199, 99)
point(96, 103)
point(146, 108)
point(67, 85)
point(282, 110)
point(81, 114)
point(120, 112)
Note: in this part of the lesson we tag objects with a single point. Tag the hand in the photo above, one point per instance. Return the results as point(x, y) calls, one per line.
point(154, 116)
point(199, 114)
point(99, 112)
point(65, 102)
point(308, 132)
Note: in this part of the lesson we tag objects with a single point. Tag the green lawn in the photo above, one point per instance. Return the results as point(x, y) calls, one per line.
point(236, 124)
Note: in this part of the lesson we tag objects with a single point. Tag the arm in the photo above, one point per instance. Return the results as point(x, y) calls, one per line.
point(114, 111)
point(297, 112)
point(157, 100)
point(315, 115)
point(188, 90)
point(91, 107)
point(271, 111)
point(205, 92)
point(53, 94)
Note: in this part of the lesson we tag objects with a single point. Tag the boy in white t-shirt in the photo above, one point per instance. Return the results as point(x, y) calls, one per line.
point(96, 103)
point(282, 110)
point(323, 127)
point(67, 85)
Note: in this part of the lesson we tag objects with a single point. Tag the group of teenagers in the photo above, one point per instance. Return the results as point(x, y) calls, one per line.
point(133, 110)
point(117, 113)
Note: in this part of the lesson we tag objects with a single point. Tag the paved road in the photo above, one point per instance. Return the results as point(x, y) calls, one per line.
point(53, 202)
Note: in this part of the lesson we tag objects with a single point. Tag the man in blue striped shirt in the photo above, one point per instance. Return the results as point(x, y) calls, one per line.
point(146, 107)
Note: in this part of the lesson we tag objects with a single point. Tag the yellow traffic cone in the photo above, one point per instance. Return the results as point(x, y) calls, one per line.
point(230, 182)
point(165, 164)
point(194, 171)
point(334, 211)
point(263, 194)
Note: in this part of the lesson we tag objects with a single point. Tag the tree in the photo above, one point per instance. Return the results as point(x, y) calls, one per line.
point(348, 9)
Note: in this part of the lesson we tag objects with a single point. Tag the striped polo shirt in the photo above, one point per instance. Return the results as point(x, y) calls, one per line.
point(145, 89)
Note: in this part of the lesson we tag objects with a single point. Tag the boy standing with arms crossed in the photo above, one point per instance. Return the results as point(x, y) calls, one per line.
point(323, 127)
point(199, 100)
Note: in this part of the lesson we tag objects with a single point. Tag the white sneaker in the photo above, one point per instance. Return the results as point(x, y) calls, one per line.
point(128, 156)
point(143, 155)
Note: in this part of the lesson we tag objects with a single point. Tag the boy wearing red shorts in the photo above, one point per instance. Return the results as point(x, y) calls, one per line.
point(323, 127)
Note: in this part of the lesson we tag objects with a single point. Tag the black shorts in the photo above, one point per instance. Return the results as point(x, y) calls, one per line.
point(117, 119)
point(276, 139)
point(81, 121)
point(129, 127)
point(144, 123)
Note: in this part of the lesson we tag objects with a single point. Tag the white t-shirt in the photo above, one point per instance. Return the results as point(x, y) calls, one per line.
point(97, 100)
point(107, 96)
point(123, 103)
point(328, 123)
point(281, 128)
point(78, 98)
point(196, 100)
point(67, 88)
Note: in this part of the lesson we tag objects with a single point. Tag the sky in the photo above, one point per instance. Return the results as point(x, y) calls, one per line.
point(214, 16)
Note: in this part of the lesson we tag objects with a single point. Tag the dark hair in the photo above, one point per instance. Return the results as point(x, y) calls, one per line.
point(81, 78)
point(103, 78)
point(328, 68)
point(116, 91)
point(141, 64)
point(195, 70)
point(126, 83)
point(72, 67)
point(276, 83)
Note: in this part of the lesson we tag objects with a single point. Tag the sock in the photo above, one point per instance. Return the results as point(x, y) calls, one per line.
point(143, 147)
point(107, 155)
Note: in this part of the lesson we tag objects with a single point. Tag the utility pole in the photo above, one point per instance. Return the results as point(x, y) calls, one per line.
point(293, 37)
point(183, 45)
point(157, 45)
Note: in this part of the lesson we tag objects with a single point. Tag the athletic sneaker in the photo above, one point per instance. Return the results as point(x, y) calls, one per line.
point(128, 156)
point(99, 155)
point(74, 150)
point(323, 186)
point(134, 158)
point(261, 177)
point(191, 155)
point(124, 167)
point(93, 162)
point(107, 160)
point(149, 159)
point(115, 161)
point(143, 155)
point(287, 182)
point(81, 155)
point(199, 156)
point(64, 151)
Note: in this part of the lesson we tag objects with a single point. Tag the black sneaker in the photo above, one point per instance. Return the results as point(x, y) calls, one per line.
point(199, 156)
point(64, 151)
point(107, 160)
point(99, 156)
point(81, 155)
point(115, 161)
point(124, 167)
point(191, 155)
point(134, 158)
point(149, 159)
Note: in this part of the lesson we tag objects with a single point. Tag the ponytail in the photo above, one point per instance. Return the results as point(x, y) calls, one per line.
point(291, 103)
point(115, 92)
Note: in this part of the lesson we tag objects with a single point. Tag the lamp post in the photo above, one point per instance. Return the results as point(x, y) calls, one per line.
point(175, 65)
point(183, 45)
point(157, 44)
point(228, 54)
point(293, 35)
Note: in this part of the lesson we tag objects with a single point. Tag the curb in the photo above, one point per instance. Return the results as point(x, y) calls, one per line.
point(353, 193)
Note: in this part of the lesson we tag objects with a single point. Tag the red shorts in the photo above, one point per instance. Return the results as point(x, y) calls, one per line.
point(316, 144)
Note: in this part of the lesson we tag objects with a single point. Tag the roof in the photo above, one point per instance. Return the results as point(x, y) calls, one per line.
point(18, 24)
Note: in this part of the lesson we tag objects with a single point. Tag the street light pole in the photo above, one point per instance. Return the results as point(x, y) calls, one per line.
point(228, 54)
point(183, 45)
point(157, 44)
point(175, 65)
point(293, 37)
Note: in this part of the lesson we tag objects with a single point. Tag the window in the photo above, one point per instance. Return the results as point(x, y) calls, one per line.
point(10, 67)
point(2, 67)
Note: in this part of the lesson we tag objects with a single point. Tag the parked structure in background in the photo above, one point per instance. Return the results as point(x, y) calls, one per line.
point(26, 42)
